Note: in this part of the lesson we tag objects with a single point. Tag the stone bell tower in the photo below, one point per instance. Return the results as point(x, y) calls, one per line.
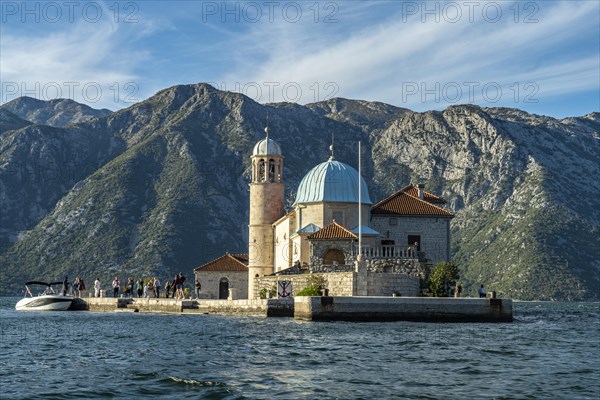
point(266, 206)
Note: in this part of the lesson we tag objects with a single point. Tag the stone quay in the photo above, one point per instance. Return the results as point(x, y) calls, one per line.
point(320, 308)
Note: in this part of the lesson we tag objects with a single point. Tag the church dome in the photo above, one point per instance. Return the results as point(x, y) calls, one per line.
point(266, 147)
point(332, 181)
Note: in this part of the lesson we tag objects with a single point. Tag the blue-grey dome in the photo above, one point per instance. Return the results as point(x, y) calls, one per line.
point(332, 181)
point(266, 146)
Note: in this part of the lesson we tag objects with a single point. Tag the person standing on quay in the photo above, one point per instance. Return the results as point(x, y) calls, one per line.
point(82, 287)
point(97, 287)
point(167, 288)
point(481, 292)
point(174, 285)
point(182, 280)
point(156, 287)
point(140, 288)
point(76, 287)
point(65, 288)
point(129, 286)
point(198, 287)
point(115, 286)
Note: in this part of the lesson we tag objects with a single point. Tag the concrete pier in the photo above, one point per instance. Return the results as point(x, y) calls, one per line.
point(255, 307)
point(424, 309)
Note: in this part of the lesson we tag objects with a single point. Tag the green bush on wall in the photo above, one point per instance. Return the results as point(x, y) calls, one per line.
point(443, 278)
point(315, 283)
point(264, 292)
point(309, 291)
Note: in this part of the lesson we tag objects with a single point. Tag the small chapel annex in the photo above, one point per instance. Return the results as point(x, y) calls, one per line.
point(402, 235)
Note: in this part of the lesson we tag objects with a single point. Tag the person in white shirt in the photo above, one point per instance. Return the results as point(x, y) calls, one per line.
point(156, 287)
point(116, 285)
point(97, 287)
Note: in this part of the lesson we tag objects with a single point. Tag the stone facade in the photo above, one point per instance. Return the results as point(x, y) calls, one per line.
point(386, 284)
point(410, 267)
point(211, 281)
point(323, 214)
point(339, 284)
point(434, 233)
point(284, 247)
point(345, 283)
point(318, 248)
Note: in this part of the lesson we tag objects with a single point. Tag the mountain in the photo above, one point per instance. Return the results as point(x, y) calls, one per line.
point(59, 112)
point(161, 187)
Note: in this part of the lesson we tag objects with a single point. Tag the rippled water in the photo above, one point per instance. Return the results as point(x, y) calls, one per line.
point(552, 350)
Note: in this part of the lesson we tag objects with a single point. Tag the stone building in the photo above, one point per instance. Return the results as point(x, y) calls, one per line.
point(401, 236)
point(225, 276)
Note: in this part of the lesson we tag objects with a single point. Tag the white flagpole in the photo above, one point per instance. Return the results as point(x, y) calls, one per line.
point(359, 205)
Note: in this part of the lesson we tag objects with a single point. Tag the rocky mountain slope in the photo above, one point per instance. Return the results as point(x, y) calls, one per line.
point(161, 187)
point(58, 112)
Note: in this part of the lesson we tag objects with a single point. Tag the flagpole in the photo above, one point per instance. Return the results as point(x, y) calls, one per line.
point(359, 205)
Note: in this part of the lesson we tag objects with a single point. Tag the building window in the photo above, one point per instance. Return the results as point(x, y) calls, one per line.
point(393, 221)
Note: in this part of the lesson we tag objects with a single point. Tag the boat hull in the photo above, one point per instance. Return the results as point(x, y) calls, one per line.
point(45, 303)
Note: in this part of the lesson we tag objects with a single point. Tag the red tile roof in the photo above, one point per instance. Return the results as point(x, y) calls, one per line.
point(407, 202)
point(227, 262)
point(429, 197)
point(333, 231)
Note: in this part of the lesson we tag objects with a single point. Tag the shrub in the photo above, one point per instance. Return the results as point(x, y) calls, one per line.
point(272, 292)
point(443, 278)
point(309, 291)
point(315, 283)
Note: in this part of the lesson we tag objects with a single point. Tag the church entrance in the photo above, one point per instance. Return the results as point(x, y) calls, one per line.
point(334, 257)
point(223, 289)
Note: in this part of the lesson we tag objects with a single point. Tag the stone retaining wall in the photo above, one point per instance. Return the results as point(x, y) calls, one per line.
point(386, 284)
point(343, 283)
point(423, 309)
point(410, 267)
point(255, 307)
point(338, 283)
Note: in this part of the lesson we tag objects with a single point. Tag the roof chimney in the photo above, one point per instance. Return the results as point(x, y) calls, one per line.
point(421, 189)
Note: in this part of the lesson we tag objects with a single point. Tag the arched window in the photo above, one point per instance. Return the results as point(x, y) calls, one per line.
point(334, 257)
point(261, 171)
point(271, 170)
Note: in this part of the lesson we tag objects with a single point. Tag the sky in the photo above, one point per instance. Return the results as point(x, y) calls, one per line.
point(540, 56)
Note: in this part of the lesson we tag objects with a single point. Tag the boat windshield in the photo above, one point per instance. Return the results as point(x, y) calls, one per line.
point(49, 290)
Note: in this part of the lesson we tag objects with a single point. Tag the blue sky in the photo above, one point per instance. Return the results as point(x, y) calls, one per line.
point(540, 56)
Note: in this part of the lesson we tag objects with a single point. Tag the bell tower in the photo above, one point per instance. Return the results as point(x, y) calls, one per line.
point(266, 206)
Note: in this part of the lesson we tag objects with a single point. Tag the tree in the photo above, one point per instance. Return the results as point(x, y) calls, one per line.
point(443, 277)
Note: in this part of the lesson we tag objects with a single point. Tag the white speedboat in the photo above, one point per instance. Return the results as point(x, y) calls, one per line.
point(48, 300)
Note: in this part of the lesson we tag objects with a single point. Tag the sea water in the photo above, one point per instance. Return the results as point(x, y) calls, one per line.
point(550, 351)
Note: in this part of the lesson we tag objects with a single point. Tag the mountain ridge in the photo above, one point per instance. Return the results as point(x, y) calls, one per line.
point(168, 187)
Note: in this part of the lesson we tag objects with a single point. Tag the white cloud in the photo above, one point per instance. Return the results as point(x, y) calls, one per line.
point(378, 61)
point(87, 62)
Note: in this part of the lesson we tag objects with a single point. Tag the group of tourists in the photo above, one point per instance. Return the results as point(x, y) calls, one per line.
point(146, 288)
point(143, 288)
point(74, 289)
point(481, 291)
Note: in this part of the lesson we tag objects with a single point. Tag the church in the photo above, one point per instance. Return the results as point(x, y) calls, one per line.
point(334, 230)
